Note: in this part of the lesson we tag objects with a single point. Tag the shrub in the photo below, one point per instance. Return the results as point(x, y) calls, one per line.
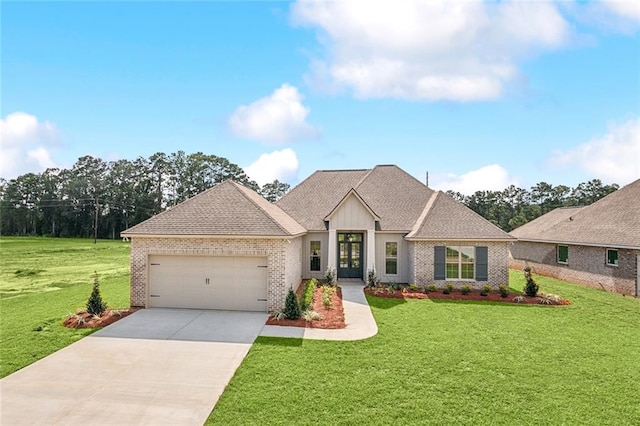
point(95, 304)
point(431, 288)
point(486, 289)
point(466, 289)
point(390, 289)
point(310, 315)
point(306, 301)
point(504, 291)
point(519, 299)
point(330, 276)
point(326, 295)
point(413, 287)
point(278, 315)
point(531, 287)
point(372, 278)
point(291, 307)
point(448, 288)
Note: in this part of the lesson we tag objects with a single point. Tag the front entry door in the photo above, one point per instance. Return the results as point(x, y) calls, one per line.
point(350, 255)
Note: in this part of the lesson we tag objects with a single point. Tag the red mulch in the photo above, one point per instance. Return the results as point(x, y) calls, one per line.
point(492, 296)
point(86, 320)
point(332, 317)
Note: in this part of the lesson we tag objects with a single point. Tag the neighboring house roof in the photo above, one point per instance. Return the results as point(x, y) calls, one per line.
point(612, 221)
point(226, 209)
point(400, 202)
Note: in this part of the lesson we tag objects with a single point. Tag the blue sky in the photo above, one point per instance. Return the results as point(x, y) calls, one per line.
point(481, 95)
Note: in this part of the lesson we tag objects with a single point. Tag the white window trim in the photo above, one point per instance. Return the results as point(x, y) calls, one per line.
point(606, 257)
point(460, 265)
point(394, 258)
point(566, 262)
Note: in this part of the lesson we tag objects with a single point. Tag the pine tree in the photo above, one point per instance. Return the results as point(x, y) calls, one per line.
point(531, 287)
point(95, 304)
point(291, 306)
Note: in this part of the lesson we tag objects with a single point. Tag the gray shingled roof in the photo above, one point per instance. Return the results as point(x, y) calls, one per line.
point(445, 218)
point(612, 221)
point(314, 198)
point(398, 199)
point(226, 209)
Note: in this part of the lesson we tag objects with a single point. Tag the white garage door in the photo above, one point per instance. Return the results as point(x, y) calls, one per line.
point(208, 282)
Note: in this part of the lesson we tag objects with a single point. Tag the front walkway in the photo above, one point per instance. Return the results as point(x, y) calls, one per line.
point(357, 315)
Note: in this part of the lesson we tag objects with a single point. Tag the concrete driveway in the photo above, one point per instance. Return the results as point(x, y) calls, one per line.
point(156, 366)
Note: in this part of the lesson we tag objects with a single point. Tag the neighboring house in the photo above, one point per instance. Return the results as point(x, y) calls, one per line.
point(228, 248)
point(597, 245)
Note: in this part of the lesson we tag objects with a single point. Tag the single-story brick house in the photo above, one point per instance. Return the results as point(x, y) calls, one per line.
point(597, 245)
point(229, 248)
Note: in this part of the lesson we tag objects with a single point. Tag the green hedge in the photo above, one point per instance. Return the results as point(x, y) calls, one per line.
point(307, 295)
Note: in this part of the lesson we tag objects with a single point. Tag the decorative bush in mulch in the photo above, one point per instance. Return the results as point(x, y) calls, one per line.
point(493, 296)
point(86, 320)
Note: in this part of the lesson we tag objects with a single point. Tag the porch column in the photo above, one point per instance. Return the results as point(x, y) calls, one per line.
point(371, 252)
point(332, 249)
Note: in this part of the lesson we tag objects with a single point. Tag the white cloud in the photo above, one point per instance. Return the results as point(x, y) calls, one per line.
point(613, 157)
point(629, 9)
point(277, 118)
point(415, 49)
point(613, 16)
point(26, 144)
point(281, 165)
point(488, 178)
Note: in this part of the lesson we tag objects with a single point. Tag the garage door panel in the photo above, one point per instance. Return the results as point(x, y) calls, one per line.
point(208, 282)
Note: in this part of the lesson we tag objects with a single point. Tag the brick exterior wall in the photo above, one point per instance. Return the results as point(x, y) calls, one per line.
point(586, 266)
point(421, 267)
point(283, 259)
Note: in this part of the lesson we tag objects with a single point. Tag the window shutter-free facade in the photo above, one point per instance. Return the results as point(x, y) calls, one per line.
point(439, 263)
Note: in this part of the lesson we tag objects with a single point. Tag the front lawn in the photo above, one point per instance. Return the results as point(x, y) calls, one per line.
point(442, 362)
point(44, 279)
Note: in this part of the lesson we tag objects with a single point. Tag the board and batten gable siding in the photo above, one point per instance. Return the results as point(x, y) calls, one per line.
point(403, 258)
point(323, 237)
point(283, 258)
point(586, 266)
point(352, 215)
point(423, 263)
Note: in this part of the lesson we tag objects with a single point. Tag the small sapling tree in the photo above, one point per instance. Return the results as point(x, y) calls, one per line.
point(531, 286)
point(96, 305)
point(291, 306)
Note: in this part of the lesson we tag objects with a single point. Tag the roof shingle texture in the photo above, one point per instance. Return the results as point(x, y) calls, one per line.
point(226, 209)
point(448, 219)
point(395, 196)
point(613, 220)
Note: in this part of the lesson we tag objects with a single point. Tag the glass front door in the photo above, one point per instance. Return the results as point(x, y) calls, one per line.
point(350, 255)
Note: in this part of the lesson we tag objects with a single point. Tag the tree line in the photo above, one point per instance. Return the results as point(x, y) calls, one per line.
point(514, 206)
point(95, 198)
point(100, 199)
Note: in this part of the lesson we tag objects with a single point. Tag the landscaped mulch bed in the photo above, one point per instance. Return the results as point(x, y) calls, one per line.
point(86, 320)
point(332, 317)
point(492, 296)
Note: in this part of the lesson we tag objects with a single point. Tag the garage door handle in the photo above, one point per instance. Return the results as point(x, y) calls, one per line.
point(262, 300)
point(261, 266)
point(206, 281)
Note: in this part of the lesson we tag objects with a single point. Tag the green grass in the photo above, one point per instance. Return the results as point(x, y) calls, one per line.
point(42, 280)
point(439, 362)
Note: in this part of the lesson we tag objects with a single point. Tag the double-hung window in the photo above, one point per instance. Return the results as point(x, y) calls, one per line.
point(315, 255)
point(460, 262)
point(612, 257)
point(391, 258)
